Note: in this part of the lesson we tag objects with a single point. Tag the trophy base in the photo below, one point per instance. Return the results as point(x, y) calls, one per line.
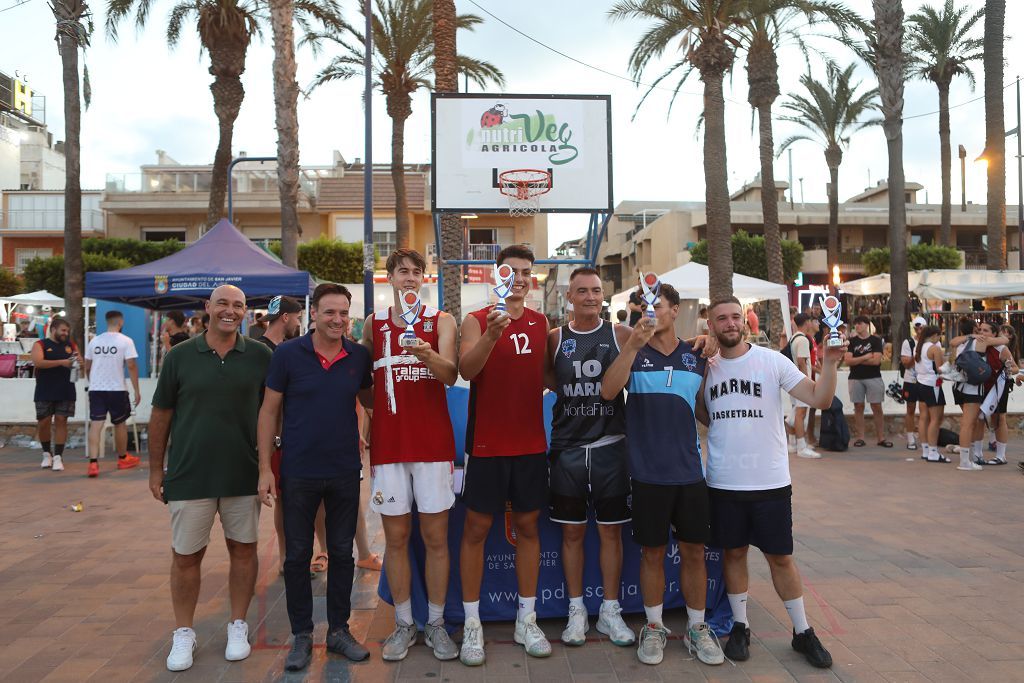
point(834, 342)
point(408, 341)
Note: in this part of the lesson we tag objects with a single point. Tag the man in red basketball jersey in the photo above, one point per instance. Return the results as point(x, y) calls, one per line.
point(502, 355)
point(412, 450)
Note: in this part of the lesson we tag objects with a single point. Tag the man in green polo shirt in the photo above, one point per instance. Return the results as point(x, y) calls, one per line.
point(207, 399)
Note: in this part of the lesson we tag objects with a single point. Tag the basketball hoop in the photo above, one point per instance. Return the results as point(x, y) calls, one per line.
point(524, 187)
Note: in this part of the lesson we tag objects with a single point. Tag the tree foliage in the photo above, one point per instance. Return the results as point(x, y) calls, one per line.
point(48, 273)
point(749, 256)
point(135, 252)
point(919, 257)
point(10, 284)
point(331, 260)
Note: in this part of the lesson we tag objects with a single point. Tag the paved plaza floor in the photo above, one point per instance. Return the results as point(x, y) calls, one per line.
point(913, 572)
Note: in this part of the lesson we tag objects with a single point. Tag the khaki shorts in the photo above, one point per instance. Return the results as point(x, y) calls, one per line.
point(191, 521)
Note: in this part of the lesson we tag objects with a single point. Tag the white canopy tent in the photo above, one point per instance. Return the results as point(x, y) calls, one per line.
point(954, 285)
point(41, 298)
point(691, 281)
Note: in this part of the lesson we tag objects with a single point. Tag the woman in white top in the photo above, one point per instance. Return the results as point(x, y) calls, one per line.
point(989, 331)
point(928, 357)
point(907, 365)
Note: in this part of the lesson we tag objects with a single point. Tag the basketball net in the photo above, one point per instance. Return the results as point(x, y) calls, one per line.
point(524, 188)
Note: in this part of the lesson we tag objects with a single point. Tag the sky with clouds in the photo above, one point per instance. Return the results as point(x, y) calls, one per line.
point(147, 97)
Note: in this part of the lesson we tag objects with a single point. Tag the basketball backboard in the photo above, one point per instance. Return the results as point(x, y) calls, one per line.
point(477, 136)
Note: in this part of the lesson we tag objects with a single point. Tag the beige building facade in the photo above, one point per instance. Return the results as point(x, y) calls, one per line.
point(658, 236)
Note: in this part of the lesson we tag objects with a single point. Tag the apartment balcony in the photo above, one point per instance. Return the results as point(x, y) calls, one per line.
point(185, 181)
point(23, 221)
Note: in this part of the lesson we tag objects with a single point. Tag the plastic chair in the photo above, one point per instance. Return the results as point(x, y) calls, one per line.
point(107, 426)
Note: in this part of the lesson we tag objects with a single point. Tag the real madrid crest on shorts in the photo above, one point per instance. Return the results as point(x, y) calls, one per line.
point(160, 284)
point(569, 347)
point(378, 498)
point(689, 360)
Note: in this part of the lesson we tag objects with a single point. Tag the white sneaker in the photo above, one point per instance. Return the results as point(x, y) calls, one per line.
point(700, 639)
point(970, 467)
point(58, 463)
point(47, 462)
point(610, 623)
point(808, 452)
point(472, 652)
point(182, 647)
point(397, 645)
point(791, 445)
point(575, 632)
point(653, 638)
point(238, 641)
point(529, 635)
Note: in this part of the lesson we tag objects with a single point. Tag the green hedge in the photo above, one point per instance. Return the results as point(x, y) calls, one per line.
point(749, 256)
point(10, 284)
point(919, 257)
point(135, 252)
point(327, 259)
point(48, 273)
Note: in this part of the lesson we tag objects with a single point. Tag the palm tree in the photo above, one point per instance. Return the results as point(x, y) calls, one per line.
point(225, 27)
point(890, 68)
point(403, 40)
point(940, 48)
point(831, 113)
point(446, 79)
point(74, 29)
point(995, 145)
point(286, 95)
point(769, 25)
point(705, 32)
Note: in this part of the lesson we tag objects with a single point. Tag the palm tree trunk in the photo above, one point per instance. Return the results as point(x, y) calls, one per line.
point(227, 62)
point(833, 210)
point(889, 69)
point(946, 159)
point(995, 144)
point(770, 213)
point(74, 277)
point(398, 179)
point(446, 79)
point(286, 95)
point(719, 218)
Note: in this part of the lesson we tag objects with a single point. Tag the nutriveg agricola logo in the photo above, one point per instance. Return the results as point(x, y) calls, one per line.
point(501, 132)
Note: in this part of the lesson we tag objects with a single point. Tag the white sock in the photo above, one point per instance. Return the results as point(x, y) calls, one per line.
point(965, 457)
point(1000, 451)
point(925, 447)
point(435, 614)
point(609, 604)
point(653, 614)
point(576, 602)
point(472, 609)
point(976, 450)
point(801, 444)
point(738, 603)
point(403, 613)
point(911, 437)
point(797, 615)
point(526, 607)
point(694, 617)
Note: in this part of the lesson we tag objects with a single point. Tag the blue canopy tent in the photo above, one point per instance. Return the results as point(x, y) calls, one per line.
point(223, 256)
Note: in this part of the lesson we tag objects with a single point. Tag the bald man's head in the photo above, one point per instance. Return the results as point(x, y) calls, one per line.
point(226, 308)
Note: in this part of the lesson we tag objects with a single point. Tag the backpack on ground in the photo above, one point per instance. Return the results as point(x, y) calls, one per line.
point(835, 432)
point(947, 437)
point(973, 365)
point(787, 350)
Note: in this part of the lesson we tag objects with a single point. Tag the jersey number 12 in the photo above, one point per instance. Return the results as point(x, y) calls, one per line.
point(521, 337)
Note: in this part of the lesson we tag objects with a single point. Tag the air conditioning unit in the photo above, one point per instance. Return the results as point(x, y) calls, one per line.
point(432, 260)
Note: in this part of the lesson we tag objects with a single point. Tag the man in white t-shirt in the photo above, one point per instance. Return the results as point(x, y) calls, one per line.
point(106, 357)
point(800, 349)
point(748, 469)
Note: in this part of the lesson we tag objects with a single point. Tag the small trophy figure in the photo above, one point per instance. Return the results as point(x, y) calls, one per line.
point(411, 308)
point(503, 279)
point(832, 309)
point(650, 286)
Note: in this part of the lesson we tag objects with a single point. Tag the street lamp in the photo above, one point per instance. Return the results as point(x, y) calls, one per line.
point(836, 280)
point(1020, 183)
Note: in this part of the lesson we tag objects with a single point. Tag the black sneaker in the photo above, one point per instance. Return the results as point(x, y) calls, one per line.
point(808, 644)
point(341, 642)
point(301, 653)
point(737, 648)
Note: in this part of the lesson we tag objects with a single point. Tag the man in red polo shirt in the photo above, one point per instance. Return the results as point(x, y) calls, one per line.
point(412, 450)
point(503, 358)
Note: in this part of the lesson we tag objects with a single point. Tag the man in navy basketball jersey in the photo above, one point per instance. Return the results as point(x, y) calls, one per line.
point(663, 375)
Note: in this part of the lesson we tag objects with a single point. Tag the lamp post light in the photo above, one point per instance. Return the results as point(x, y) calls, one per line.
point(1020, 183)
point(963, 179)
